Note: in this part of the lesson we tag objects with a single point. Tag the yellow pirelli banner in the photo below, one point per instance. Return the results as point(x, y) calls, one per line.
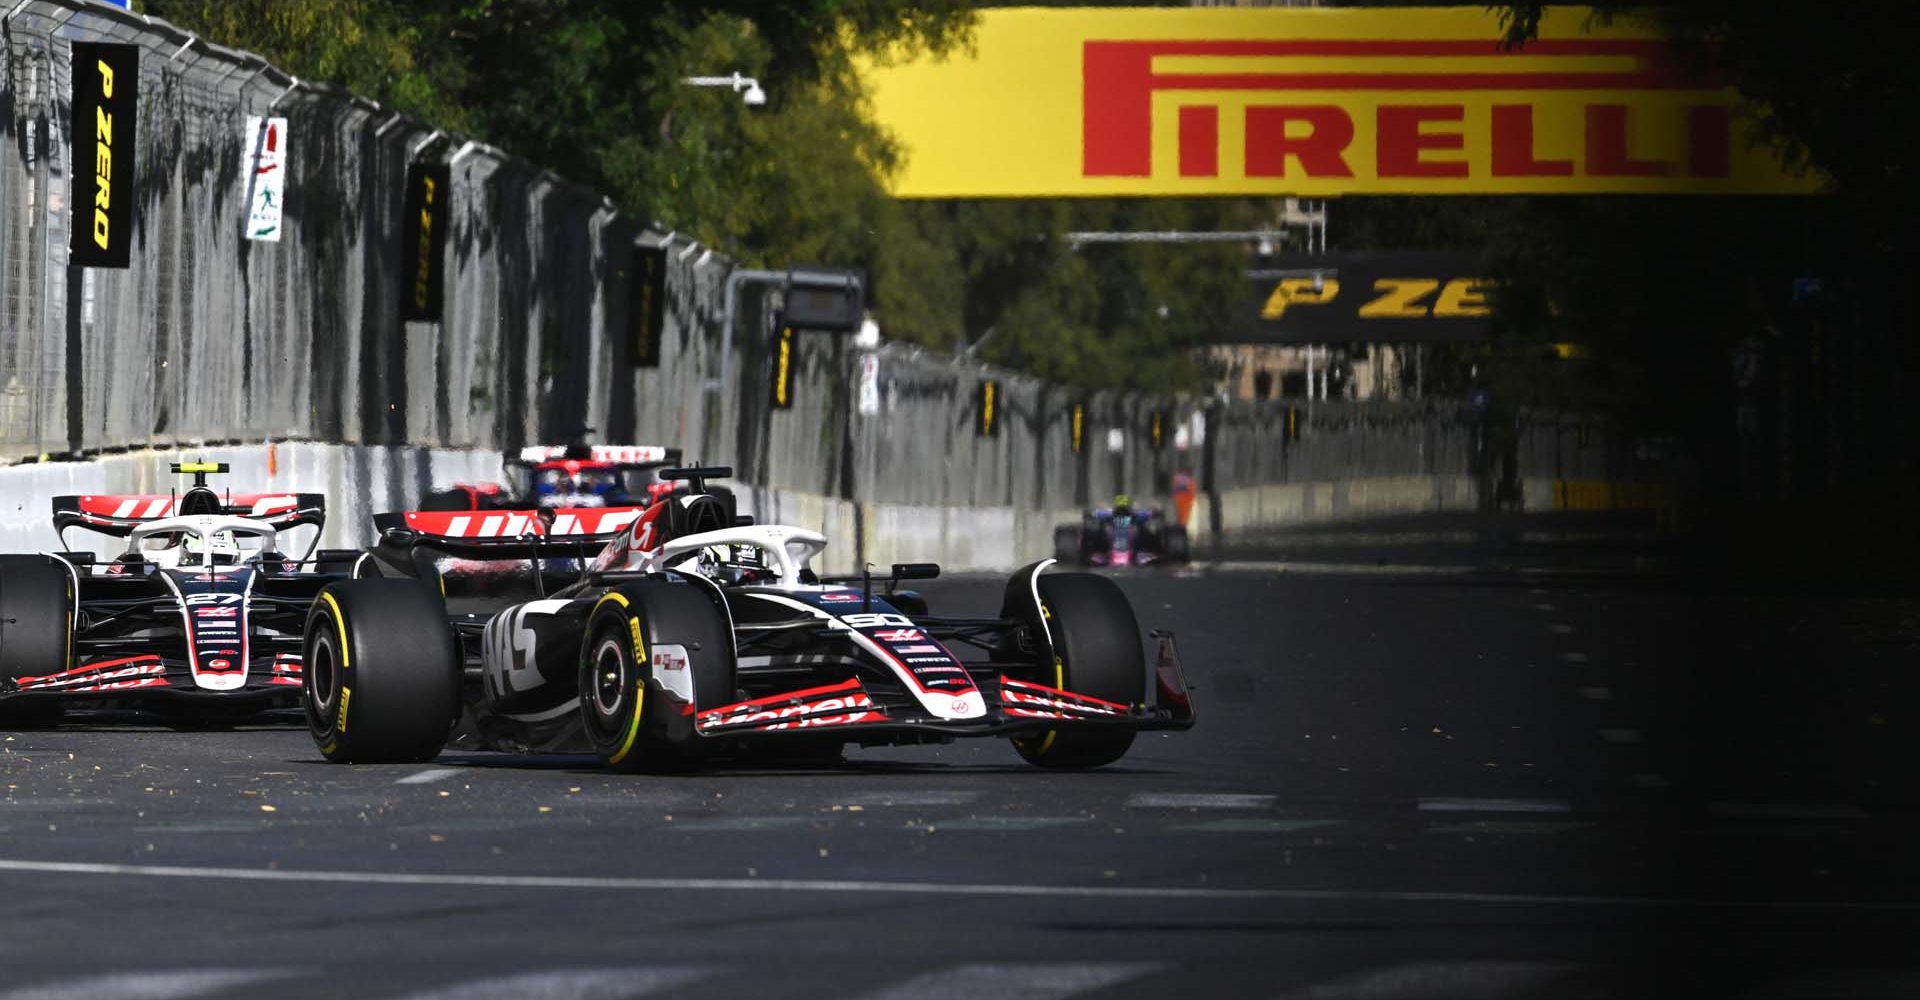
point(1178, 101)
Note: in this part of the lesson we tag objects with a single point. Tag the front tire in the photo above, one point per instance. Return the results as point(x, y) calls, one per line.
point(1066, 544)
point(1096, 646)
point(656, 654)
point(382, 672)
point(36, 635)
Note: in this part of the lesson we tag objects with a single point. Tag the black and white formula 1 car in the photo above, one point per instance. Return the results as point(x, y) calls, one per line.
point(690, 634)
point(200, 618)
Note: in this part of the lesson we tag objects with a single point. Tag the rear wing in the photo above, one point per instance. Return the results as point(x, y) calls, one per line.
point(505, 534)
point(119, 514)
point(612, 454)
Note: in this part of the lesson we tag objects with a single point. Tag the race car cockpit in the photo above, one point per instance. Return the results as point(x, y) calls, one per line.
point(213, 542)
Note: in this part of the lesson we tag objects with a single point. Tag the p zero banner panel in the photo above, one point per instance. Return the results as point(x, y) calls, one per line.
point(106, 92)
point(783, 369)
point(989, 401)
point(1180, 101)
point(1369, 298)
point(648, 307)
point(423, 235)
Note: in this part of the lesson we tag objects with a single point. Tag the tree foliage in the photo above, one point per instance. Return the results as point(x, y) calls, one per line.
point(592, 90)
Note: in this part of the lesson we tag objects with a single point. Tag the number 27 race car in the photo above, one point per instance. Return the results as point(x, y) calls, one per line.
point(686, 634)
point(199, 619)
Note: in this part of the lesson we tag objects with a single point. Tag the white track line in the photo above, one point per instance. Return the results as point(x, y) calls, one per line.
point(1436, 979)
point(1785, 810)
point(177, 984)
point(1189, 800)
point(909, 797)
point(1012, 981)
point(428, 775)
point(1339, 569)
point(569, 984)
point(857, 887)
point(1495, 805)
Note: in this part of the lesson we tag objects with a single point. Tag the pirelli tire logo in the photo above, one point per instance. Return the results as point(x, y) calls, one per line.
point(106, 98)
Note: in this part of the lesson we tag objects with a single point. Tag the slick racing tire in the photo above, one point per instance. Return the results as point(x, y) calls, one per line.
point(382, 672)
point(1066, 543)
point(1096, 643)
point(1174, 546)
point(656, 653)
point(36, 635)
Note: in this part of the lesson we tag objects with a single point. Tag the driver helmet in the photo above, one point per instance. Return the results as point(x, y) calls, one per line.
point(1122, 504)
point(218, 549)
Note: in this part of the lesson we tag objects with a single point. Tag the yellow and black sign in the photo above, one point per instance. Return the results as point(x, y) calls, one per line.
point(1368, 298)
point(647, 305)
point(989, 425)
point(783, 369)
point(106, 94)
point(1077, 435)
point(1157, 429)
point(423, 240)
point(1184, 101)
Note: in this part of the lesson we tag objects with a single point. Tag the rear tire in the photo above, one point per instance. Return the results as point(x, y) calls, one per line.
point(1096, 643)
point(636, 714)
point(382, 672)
point(36, 635)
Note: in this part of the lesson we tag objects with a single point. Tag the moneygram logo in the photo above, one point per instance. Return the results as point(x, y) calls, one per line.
point(1431, 108)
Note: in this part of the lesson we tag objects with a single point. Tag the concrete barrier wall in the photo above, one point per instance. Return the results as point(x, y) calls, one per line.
point(361, 480)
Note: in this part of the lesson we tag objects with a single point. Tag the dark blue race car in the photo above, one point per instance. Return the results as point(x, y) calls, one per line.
point(1121, 535)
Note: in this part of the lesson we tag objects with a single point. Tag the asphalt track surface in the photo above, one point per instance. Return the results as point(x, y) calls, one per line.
point(1432, 761)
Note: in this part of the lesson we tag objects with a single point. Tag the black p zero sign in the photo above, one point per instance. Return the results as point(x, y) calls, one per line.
point(648, 304)
point(106, 92)
point(783, 370)
point(1424, 297)
point(423, 235)
point(989, 425)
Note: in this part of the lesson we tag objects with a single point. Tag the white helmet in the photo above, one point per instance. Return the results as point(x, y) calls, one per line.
point(218, 549)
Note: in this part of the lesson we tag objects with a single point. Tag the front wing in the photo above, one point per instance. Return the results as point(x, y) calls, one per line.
point(1013, 707)
point(152, 676)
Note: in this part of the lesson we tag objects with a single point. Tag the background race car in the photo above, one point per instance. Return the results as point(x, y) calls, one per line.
point(1122, 535)
point(574, 475)
point(692, 634)
point(199, 618)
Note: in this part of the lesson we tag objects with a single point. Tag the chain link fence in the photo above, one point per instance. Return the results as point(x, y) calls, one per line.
point(209, 337)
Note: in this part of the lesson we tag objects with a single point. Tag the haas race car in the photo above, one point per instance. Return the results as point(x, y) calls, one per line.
point(689, 634)
point(1121, 535)
point(199, 619)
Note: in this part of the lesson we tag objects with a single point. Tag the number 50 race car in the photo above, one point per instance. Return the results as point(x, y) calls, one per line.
point(199, 619)
point(692, 634)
